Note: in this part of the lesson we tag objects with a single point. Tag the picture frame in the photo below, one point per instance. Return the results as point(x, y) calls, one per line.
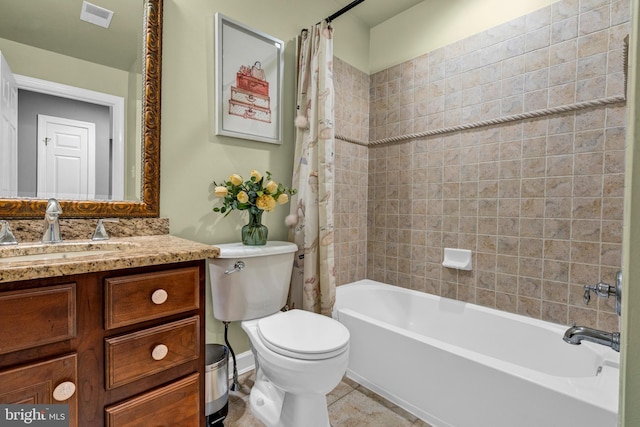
point(248, 82)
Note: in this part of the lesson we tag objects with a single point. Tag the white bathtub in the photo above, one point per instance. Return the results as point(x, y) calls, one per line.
point(462, 365)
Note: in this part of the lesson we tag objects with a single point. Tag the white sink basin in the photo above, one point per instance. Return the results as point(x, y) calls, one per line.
point(66, 250)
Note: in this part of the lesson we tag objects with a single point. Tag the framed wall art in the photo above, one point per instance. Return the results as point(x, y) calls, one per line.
point(248, 79)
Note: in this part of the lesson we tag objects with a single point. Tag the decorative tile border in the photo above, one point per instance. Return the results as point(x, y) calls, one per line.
point(612, 100)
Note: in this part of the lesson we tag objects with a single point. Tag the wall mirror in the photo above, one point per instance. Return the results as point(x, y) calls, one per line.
point(137, 110)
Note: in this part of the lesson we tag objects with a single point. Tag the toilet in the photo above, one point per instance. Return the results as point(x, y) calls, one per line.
point(300, 356)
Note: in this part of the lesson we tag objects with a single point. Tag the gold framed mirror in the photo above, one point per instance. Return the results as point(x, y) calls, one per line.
point(149, 204)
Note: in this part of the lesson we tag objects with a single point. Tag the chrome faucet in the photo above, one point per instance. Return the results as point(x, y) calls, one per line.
point(576, 334)
point(6, 235)
point(52, 223)
point(100, 232)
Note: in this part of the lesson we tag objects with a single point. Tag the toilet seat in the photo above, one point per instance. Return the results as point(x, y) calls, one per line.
point(303, 335)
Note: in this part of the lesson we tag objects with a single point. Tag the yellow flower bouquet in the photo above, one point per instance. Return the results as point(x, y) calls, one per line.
point(257, 194)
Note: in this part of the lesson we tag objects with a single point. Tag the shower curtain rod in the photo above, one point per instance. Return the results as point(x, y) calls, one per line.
point(343, 10)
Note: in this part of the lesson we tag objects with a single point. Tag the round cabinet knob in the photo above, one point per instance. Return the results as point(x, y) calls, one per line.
point(64, 391)
point(159, 352)
point(159, 296)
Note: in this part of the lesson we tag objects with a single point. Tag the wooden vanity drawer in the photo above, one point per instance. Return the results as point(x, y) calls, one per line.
point(140, 297)
point(139, 354)
point(177, 404)
point(33, 317)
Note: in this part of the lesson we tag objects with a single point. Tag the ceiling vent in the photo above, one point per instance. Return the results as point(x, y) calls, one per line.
point(95, 14)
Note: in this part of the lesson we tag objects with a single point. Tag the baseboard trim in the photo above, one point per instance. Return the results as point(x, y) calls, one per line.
point(245, 363)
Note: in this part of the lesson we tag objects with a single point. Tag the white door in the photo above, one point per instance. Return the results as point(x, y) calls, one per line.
point(66, 158)
point(8, 131)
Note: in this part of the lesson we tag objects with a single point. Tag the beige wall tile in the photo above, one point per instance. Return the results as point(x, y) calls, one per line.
point(538, 201)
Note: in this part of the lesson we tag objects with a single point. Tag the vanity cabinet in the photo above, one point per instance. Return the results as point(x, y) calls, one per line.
point(122, 347)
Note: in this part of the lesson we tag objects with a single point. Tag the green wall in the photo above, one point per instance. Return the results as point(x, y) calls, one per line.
point(46, 65)
point(192, 155)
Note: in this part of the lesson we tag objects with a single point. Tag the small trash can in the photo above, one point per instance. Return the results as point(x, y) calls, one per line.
point(216, 384)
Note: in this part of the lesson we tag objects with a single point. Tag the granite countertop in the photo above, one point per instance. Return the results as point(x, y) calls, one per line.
point(113, 254)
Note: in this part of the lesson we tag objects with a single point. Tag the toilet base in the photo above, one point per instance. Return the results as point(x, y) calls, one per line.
point(276, 408)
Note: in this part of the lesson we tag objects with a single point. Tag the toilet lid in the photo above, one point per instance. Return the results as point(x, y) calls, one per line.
point(303, 335)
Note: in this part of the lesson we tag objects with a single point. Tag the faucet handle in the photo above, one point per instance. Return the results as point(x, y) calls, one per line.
point(587, 295)
point(604, 290)
point(601, 289)
point(53, 207)
point(101, 233)
point(6, 235)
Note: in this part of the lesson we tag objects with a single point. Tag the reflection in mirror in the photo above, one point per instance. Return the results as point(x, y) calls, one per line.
point(50, 114)
point(70, 149)
point(101, 145)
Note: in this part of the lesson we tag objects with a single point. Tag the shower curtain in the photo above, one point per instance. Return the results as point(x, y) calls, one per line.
point(313, 279)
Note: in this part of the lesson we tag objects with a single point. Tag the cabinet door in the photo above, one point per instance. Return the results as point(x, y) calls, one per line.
point(174, 405)
point(50, 382)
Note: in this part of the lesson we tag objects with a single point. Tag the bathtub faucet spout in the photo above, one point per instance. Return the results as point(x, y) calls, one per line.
point(576, 334)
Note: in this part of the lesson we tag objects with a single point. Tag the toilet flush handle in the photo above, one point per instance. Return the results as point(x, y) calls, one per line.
point(239, 265)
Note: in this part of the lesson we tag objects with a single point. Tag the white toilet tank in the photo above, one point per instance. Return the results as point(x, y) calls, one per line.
point(249, 282)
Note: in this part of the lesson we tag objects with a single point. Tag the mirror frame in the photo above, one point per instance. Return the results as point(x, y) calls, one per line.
point(149, 206)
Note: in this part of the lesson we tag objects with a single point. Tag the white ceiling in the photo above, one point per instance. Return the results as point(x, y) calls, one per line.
point(374, 12)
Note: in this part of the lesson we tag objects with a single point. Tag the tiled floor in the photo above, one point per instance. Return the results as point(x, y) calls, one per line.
point(350, 405)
